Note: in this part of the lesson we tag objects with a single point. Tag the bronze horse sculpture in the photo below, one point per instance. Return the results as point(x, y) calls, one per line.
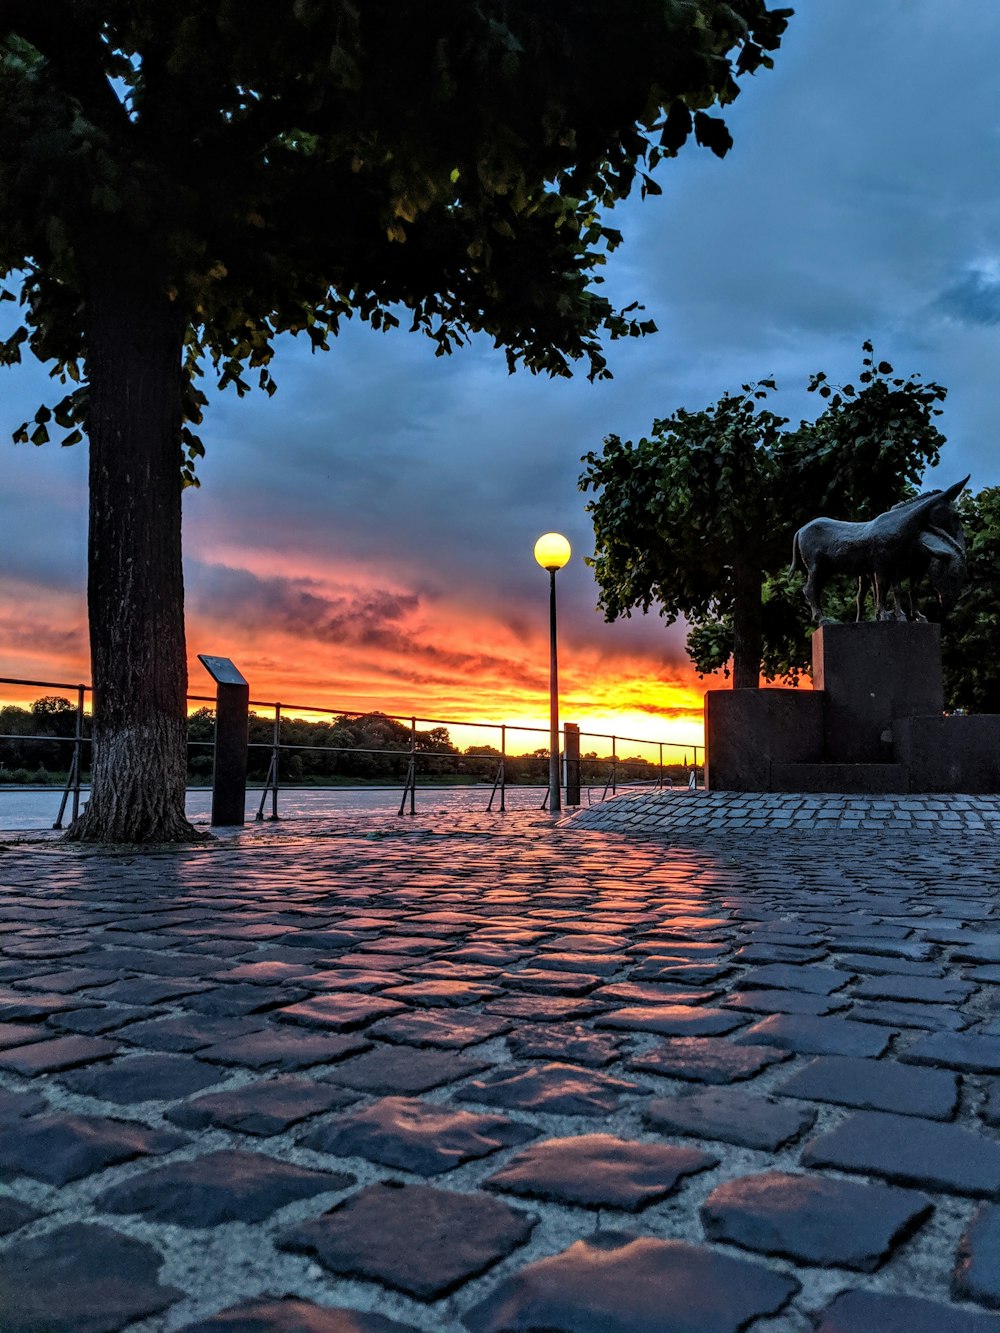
point(915, 537)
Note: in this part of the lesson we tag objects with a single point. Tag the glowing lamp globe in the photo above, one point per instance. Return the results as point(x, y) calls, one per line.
point(552, 550)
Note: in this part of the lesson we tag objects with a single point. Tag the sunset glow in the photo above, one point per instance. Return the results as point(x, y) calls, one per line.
point(331, 643)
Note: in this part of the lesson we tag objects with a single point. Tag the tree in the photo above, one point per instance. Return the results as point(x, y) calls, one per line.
point(970, 637)
point(699, 517)
point(181, 183)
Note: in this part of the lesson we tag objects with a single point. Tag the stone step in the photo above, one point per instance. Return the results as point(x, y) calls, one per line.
point(854, 779)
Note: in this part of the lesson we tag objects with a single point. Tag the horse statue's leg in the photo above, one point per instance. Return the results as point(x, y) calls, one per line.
point(882, 585)
point(812, 589)
point(859, 599)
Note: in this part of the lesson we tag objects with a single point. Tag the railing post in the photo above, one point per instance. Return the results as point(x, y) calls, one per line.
point(571, 751)
point(413, 765)
point(78, 750)
point(232, 720)
point(660, 783)
point(503, 769)
point(614, 765)
point(73, 776)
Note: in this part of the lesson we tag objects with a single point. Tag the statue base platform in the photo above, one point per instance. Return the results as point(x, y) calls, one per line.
point(873, 723)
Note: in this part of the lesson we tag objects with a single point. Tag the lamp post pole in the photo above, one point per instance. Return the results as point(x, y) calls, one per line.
point(555, 795)
point(552, 552)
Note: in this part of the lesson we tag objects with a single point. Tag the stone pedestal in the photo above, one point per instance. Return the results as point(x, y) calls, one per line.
point(872, 674)
point(873, 723)
point(950, 753)
point(748, 731)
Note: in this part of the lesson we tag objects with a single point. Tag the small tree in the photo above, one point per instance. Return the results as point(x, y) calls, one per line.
point(699, 517)
point(182, 182)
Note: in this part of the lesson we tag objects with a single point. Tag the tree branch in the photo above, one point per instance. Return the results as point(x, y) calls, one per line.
point(68, 38)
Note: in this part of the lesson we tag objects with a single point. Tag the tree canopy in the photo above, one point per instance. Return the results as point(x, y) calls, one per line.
point(182, 183)
point(970, 640)
point(698, 517)
point(285, 166)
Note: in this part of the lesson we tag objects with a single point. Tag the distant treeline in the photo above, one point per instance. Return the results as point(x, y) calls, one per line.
point(348, 748)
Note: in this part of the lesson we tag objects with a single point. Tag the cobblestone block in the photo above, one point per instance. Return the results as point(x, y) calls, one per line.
point(80, 1279)
point(977, 1265)
point(264, 1108)
point(965, 1051)
point(783, 976)
point(19, 1007)
point(238, 1000)
point(875, 1085)
point(232, 1186)
point(679, 974)
point(729, 1114)
point(386, 1069)
point(570, 1042)
point(415, 1238)
point(266, 973)
point(784, 1002)
point(14, 1104)
point(921, 990)
point(614, 1282)
point(546, 1009)
point(21, 1034)
point(145, 991)
point(320, 941)
point(440, 994)
point(449, 1031)
point(599, 1171)
point(47, 1057)
point(673, 1020)
point(416, 1136)
point(651, 992)
point(707, 1059)
point(605, 965)
point(893, 1014)
point(142, 1078)
point(95, 1022)
point(878, 965)
point(559, 1089)
point(288, 1049)
point(889, 1312)
point(268, 1315)
point(910, 1151)
point(778, 953)
point(61, 1147)
point(552, 981)
point(813, 1219)
point(67, 981)
point(818, 1036)
point(343, 1012)
point(917, 951)
point(189, 1033)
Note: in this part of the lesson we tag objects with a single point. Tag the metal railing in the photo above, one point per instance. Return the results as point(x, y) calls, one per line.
point(418, 761)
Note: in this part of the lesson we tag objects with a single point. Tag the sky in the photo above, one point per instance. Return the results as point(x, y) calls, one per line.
point(364, 539)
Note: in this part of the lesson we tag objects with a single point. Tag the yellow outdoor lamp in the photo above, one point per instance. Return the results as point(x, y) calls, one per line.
point(552, 551)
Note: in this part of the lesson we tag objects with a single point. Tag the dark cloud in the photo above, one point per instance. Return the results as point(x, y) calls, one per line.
point(974, 299)
point(298, 606)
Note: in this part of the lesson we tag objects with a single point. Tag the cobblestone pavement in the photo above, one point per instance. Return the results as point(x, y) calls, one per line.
point(495, 1073)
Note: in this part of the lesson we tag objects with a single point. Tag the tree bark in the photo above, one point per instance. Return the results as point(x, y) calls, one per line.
point(135, 579)
point(747, 628)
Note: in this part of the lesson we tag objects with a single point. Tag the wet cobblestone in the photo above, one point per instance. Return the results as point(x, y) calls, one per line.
point(635, 1070)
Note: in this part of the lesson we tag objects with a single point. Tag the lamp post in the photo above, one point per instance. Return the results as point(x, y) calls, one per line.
point(552, 550)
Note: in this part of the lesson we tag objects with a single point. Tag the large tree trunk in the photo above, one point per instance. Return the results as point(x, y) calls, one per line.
point(135, 580)
point(747, 632)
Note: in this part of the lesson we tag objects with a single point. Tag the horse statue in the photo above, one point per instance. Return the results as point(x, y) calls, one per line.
point(915, 537)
